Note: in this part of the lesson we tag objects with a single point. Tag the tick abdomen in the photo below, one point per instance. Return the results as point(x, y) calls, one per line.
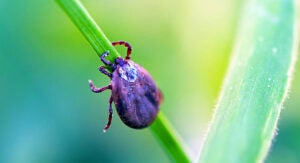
point(135, 95)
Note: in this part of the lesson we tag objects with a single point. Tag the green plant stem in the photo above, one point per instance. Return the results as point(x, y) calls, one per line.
point(88, 27)
point(161, 128)
point(256, 84)
point(169, 138)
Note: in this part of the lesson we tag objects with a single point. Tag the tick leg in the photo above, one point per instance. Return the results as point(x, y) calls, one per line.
point(98, 90)
point(102, 69)
point(126, 44)
point(109, 115)
point(106, 62)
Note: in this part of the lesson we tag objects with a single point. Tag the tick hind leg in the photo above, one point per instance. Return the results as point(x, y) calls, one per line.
point(98, 90)
point(126, 44)
point(109, 114)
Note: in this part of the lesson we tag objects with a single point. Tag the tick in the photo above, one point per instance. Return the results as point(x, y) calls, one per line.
point(136, 97)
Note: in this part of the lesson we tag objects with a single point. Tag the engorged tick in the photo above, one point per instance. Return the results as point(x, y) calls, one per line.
point(137, 98)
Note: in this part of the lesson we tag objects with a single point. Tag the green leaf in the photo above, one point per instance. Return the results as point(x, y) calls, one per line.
point(256, 84)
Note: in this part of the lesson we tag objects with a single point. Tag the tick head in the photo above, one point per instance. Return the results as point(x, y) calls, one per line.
point(120, 61)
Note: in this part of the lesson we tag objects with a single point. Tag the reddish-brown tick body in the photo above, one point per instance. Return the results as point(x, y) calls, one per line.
point(137, 98)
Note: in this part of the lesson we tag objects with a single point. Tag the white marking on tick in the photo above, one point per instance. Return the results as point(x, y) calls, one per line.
point(128, 72)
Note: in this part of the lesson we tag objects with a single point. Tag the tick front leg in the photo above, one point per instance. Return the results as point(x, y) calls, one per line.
point(102, 69)
point(126, 44)
point(98, 90)
point(106, 62)
point(109, 115)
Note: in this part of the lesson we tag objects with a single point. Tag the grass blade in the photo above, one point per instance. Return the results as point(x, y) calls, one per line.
point(256, 85)
point(169, 139)
point(88, 27)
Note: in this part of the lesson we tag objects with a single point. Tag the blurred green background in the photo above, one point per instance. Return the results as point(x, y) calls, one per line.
point(49, 114)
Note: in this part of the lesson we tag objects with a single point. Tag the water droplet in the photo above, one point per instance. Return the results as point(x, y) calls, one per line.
point(268, 86)
point(269, 79)
point(274, 50)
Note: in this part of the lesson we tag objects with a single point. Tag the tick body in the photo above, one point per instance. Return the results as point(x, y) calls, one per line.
point(136, 97)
